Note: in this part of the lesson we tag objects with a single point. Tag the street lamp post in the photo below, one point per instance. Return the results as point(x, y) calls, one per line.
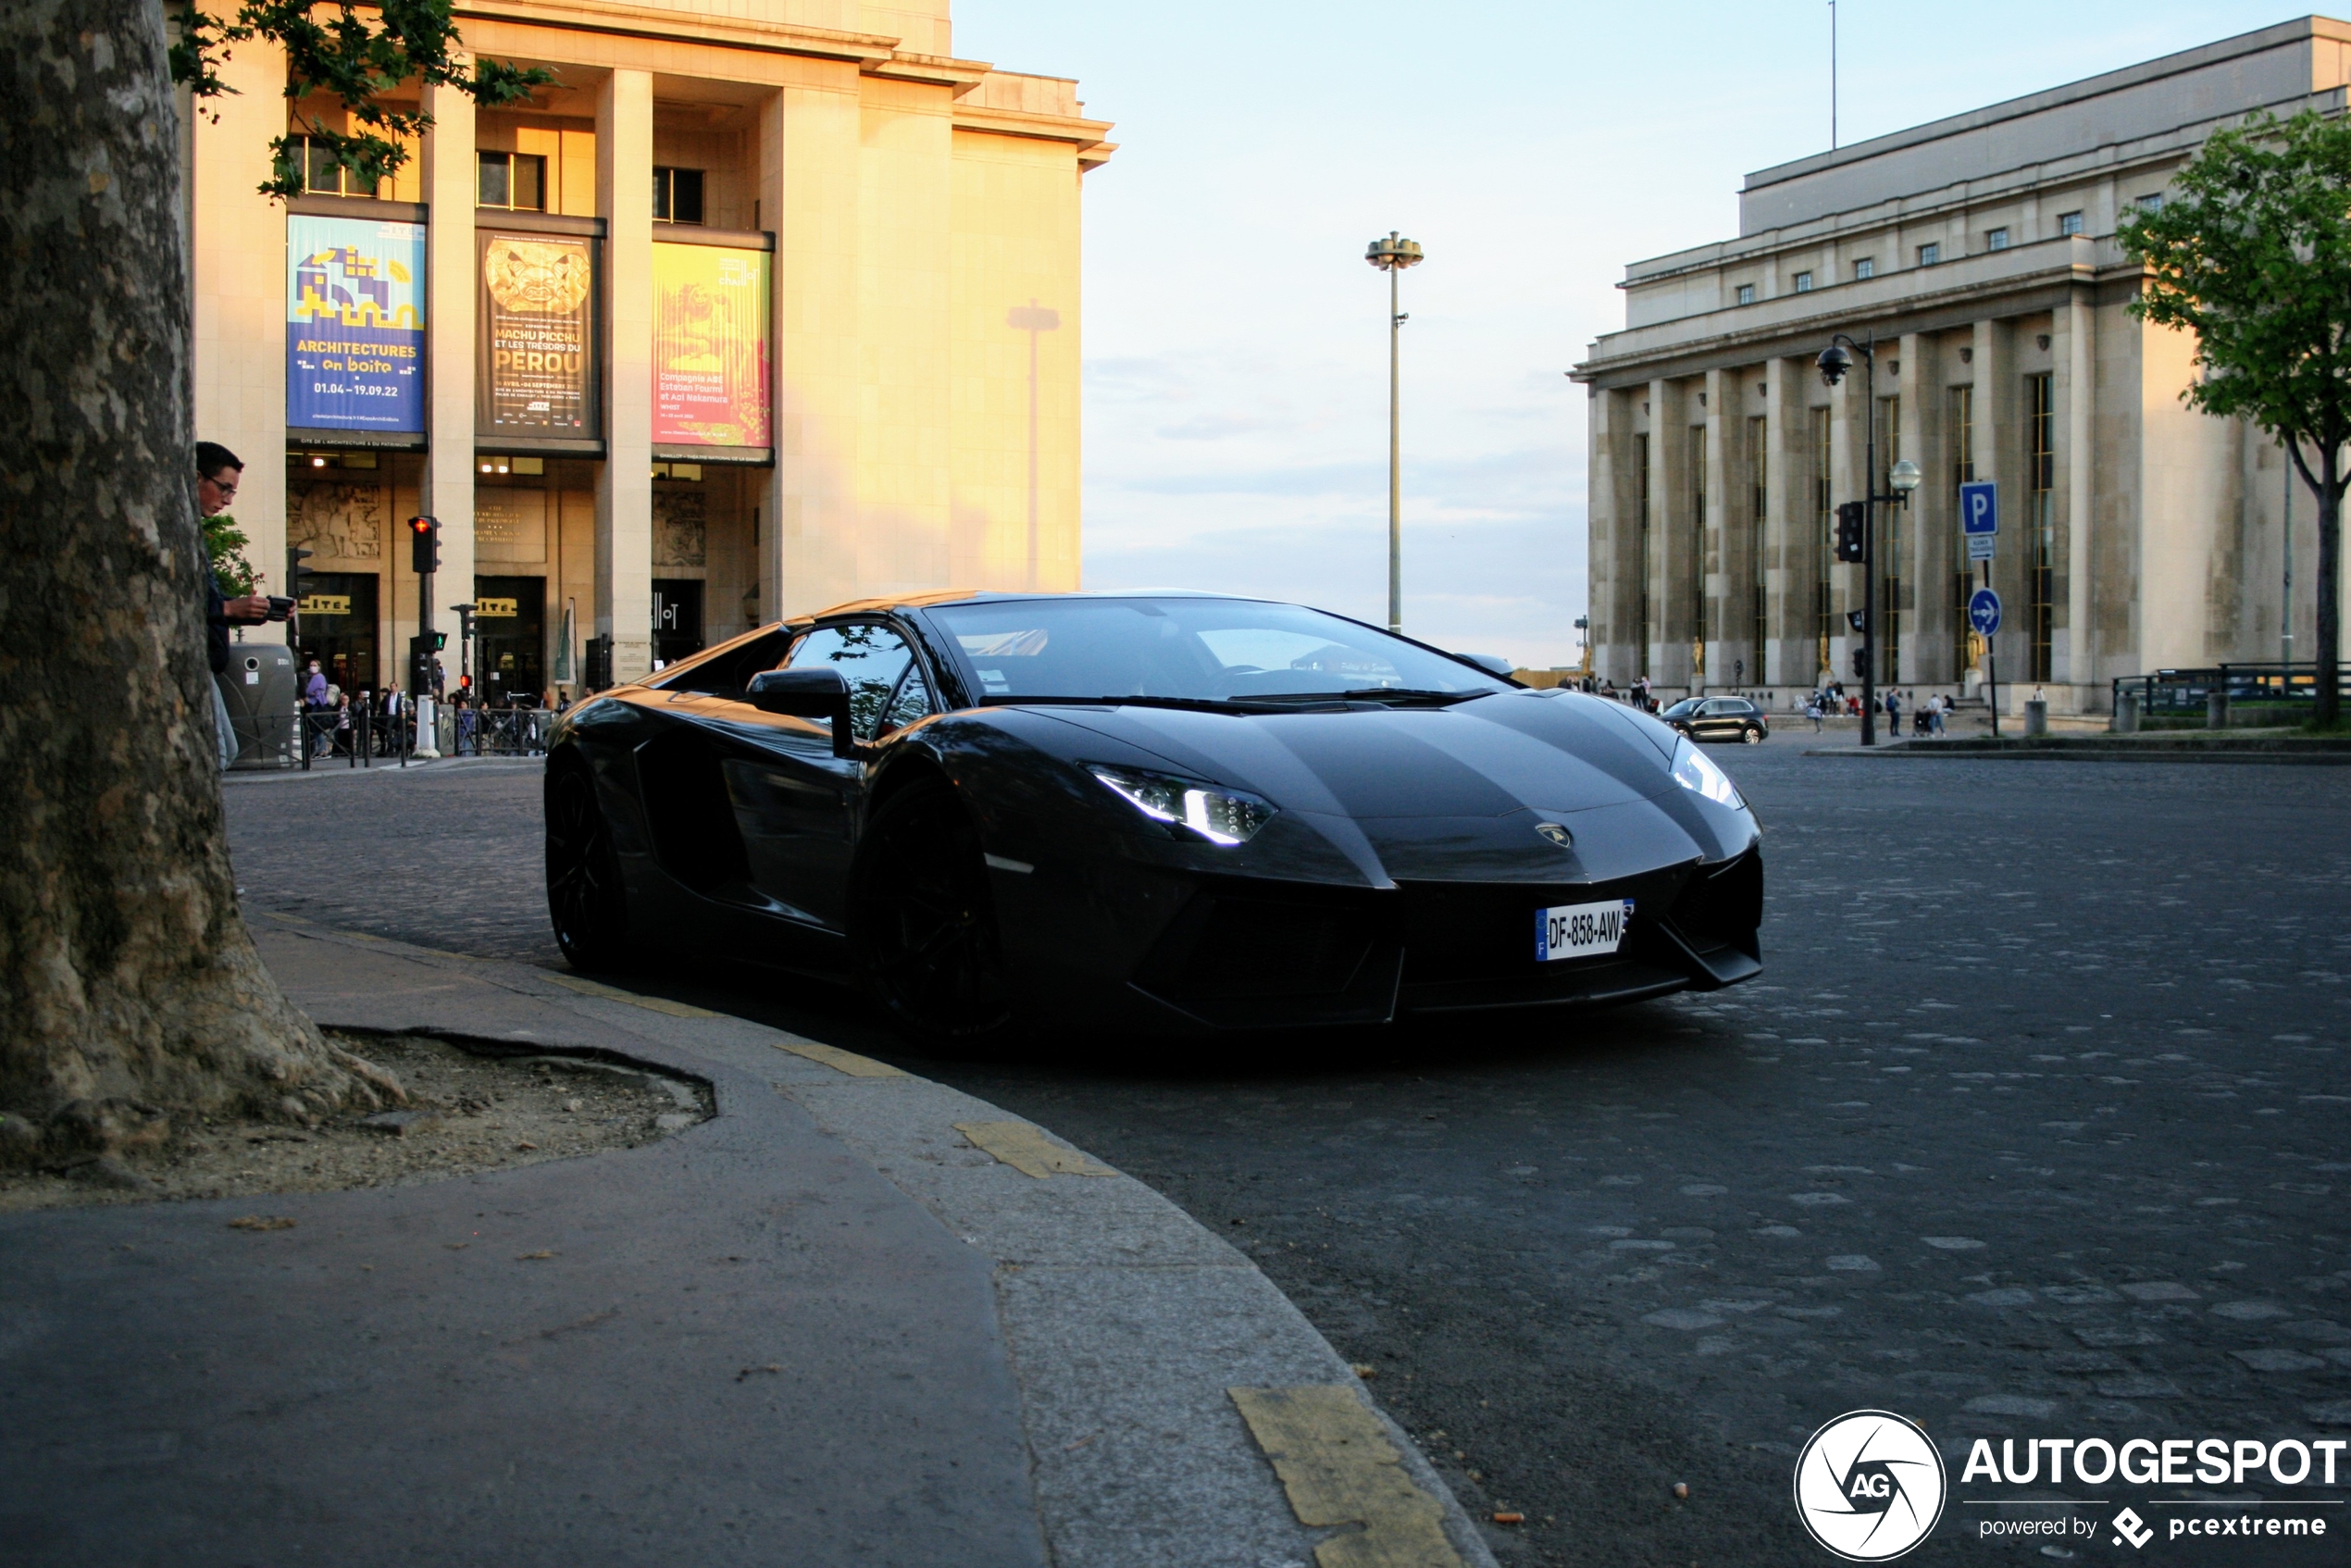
point(1904, 478)
point(1392, 255)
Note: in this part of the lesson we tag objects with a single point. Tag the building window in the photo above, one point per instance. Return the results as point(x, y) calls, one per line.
point(1865, 267)
point(1747, 293)
point(517, 181)
point(1966, 648)
point(1641, 462)
point(1824, 547)
point(2069, 223)
point(2040, 515)
point(678, 196)
point(1997, 240)
point(1698, 552)
point(1758, 462)
point(2150, 203)
point(1804, 282)
point(321, 176)
point(1930, 254)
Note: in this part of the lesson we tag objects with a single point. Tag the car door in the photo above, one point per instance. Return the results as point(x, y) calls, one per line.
point(794, 801)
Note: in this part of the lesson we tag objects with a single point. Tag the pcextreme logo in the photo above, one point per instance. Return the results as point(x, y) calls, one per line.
point(1870, 1485)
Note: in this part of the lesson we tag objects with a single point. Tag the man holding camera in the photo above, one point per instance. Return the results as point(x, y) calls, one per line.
point(218, 472)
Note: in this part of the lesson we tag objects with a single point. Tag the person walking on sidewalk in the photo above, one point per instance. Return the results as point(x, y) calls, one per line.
point(218, 471)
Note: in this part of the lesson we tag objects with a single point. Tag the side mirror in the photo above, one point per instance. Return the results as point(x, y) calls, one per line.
point(819, 693)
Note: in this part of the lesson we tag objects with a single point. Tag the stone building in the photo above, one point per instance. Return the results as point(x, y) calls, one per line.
point(1979, 252)
point(759, 308)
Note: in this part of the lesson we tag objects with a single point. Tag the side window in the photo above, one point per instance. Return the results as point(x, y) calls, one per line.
point(912, 700)
point(725, 671)
point(870, 657)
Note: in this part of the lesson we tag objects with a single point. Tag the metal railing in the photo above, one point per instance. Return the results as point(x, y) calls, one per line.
point(500, 732)
point(2285, 691)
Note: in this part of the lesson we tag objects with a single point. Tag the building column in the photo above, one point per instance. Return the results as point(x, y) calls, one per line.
point(451, 287)
point(1715, 630)
point(1915, 386)
point(776, 494)
point(2077, 393)
point(625, 487)
point(1604, 532)
point(237, 275)
point(1657, 552)
point(1787, 658)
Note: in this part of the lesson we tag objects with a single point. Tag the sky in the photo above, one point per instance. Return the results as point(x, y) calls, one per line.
point(1235, 346)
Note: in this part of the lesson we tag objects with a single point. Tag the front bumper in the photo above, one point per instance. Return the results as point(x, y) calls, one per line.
point(1245, 954)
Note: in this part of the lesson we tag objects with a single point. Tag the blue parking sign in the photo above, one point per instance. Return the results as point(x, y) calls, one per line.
point(1978, 507)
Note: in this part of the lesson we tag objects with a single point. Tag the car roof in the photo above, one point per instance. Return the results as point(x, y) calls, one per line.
point(995, 596)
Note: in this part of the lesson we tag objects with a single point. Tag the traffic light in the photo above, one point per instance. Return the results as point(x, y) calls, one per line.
point(424, 540)
point(1852, 531)
point(1859, 621)
point(420, 668)
point(1860, 664)
point(439, 640)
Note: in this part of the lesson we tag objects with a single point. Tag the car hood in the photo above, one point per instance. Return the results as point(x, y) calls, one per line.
point(1448, 794)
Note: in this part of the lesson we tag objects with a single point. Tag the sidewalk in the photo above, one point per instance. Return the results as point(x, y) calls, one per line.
point(826, 1327)
point(2288, 746)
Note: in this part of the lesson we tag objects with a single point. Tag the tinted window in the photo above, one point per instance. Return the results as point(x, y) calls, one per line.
point(1682, 709)
point(912, 700)
point(1209, 650)
point(726, 669)
point(871, 658)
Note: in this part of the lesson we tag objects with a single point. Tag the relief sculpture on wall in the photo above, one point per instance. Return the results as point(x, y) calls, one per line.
point(336, 521)
point(680, 528)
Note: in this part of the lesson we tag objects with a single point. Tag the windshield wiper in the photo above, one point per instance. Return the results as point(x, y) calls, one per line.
point(1202, 705)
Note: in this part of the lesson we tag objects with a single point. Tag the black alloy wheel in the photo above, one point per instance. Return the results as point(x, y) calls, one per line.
point(922, 922)
point(584, 894)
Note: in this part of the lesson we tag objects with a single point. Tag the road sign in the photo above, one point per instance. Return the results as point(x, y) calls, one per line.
point(1978, 507)
point(1979, 546)
point(1984, 612)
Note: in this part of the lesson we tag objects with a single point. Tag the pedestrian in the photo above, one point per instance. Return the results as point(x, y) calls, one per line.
point(1942, 707)
point(1893, 711)
point(1813, 711)
point(218, 471)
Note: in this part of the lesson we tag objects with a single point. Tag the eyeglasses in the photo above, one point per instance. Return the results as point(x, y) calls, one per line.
point(225, 489)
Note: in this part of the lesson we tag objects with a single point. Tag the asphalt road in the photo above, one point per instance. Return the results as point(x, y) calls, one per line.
point(2033, 1128)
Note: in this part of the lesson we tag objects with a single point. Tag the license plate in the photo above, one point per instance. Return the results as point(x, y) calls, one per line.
point(1580, 930)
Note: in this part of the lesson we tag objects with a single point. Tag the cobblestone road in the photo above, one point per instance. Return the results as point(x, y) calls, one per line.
point(2034, 1126)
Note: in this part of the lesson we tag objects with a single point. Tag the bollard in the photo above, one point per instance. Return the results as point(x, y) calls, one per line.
point(2126, 713)
point(2216, 710)
point(2036, 715)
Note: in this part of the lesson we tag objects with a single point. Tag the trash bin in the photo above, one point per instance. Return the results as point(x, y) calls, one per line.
point(2216, 710)
point(258, 686)
point(2036, 715)
point(2126, 713)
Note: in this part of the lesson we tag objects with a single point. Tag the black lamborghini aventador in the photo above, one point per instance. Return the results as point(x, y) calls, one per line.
point(1155, 810)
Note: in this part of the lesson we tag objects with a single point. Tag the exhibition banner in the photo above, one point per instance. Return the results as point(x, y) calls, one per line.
point(355, 324)
point(710, 346)
point(536, 371)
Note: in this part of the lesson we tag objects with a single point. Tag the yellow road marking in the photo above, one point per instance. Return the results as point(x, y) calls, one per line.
point(1025, 1148)
point(839, 1061)
point(614, 994)
point(1338, 1467)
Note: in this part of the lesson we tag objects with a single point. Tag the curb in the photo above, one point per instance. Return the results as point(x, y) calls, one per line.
point(1137, 1337)
point(2289, 754)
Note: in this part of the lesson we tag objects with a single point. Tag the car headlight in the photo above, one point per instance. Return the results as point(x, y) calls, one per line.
point(1221, 816)
point(1693, 770)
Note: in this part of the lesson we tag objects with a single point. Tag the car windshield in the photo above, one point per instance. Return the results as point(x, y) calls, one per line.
point(1682, 709)
point(1184, 650)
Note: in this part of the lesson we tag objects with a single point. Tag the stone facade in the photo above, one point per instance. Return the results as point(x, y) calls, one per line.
point(1978, 253)
point(921, 214)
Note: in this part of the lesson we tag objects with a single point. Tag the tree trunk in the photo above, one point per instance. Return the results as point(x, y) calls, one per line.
point(130, 989)
point(2329, 653)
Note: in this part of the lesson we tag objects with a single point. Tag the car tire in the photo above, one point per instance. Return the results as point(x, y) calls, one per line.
point(1753, 736)
point(922, 922)
point(585, 898)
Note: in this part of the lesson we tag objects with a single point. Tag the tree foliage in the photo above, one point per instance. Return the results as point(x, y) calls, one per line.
point(2253, 254)
point(224, 546)
point(357, 56)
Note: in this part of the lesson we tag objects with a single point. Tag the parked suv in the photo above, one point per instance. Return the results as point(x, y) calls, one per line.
point(1718, 718)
